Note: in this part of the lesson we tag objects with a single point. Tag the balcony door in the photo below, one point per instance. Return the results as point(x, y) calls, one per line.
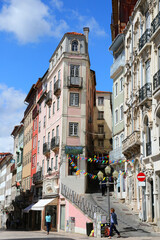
point(57, 131)
point(147, 65)
point(147, 20)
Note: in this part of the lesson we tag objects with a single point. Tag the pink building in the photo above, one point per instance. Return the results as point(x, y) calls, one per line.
point(65, 117)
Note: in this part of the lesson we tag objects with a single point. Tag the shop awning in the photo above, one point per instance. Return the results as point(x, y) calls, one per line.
point(41, 204)
point(27, 209)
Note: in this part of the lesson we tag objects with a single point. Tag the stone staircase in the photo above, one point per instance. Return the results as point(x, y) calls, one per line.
point(86, 205)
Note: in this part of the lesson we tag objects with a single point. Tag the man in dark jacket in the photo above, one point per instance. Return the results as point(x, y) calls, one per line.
point(113, 223)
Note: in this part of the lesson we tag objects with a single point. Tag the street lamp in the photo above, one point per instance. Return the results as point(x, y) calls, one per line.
point(100, 177)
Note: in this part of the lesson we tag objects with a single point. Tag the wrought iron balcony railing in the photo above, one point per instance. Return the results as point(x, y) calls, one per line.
point(145, 38)
point(145, 92)
point(75, 82)
point(57, 87)
point(148, 149)
point(55, 142)
point(155, 24)
point(156, 80)
point(46, 148)
point(37, 177)
point(49, 98)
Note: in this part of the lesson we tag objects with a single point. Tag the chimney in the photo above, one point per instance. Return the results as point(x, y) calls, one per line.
point(86, 32)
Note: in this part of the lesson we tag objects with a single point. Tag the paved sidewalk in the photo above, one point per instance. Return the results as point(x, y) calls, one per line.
point(41, 235)
point(61, 235)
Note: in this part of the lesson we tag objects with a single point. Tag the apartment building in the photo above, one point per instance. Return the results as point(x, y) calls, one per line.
point(141, 108)
point(5, 188)
point(116, 156)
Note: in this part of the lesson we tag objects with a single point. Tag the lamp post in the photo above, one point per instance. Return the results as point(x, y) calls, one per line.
point(100, 177)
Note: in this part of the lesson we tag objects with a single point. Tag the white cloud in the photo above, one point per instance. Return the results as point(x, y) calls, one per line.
point(29, 20)
point(58, 4)
point(12, 109)
point(86, 21)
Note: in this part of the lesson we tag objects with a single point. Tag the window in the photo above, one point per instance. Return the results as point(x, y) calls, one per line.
point(57, 130)
point(56, 162)
point(49, 112)
point(100, 115)
point(53, 107)
point(52, 164)
point(116, 116)
point(58, 101)
point(48, 137)
point(50, 85)
point(121, 112)
point(42, 167)
point(40, 108)
point(71, 170)
point(34, 161)
point(121, 84)
point(74, 99)
point(74, 71)
point(59, 74)
point(100, 143)
point(52, 133)
point(44, 123)
point(43, 139)
point(117, 142)
point(47, 164)
point(75, 46)
point(54, 79)
point(121, 139)
point(39, 127)
point(100, 100)
point(38, 146)
point(116, 89)
point(147, 71)
point(73, 129)
point(100, 128)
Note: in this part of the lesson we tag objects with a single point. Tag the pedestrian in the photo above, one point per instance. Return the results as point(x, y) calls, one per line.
point(48, 222)
point(113, 223)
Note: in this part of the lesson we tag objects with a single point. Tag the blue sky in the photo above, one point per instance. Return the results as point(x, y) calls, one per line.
point(30, 30)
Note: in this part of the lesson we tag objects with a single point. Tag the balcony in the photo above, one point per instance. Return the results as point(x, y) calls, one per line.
point(145, 94)
point(117, 65)
point(99, 135)
point(156, 84)
point(74, 82)
point(155, 25)
point(37, 177)
point(144, 39)
point(57, 87)
point(55, 141)
point(46, 149)
point(148, 149)
point(116, 155)
point(131, 145)
point(35, 112)
point(13, 168)
point(48, 100)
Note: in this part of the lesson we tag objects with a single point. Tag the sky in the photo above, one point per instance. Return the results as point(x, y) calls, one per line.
point(30, 31)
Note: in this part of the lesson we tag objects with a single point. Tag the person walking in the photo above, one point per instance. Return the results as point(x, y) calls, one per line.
point(113, 223)
point(48, 222)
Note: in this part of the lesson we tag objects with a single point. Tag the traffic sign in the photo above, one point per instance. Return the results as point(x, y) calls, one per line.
point(141, 177)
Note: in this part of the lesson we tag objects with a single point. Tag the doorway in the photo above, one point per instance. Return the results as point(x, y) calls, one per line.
point(62, 217)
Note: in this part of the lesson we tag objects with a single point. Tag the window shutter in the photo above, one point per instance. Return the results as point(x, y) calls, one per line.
point(71, 129)
point(76, 99)
point(77, 71)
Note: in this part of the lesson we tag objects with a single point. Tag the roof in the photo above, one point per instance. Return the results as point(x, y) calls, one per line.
point(75, 33)
point(102, 92)
point(117, 42)
point(30, 93)
point(14, 130)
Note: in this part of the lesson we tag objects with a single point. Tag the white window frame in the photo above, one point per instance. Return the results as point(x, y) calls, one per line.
point(58, 103)
point(74, 99)
point(100, 103)
point(121, 113)
point(116, 115)
point(73, 125)
point(121, 84)
point(116, 89)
